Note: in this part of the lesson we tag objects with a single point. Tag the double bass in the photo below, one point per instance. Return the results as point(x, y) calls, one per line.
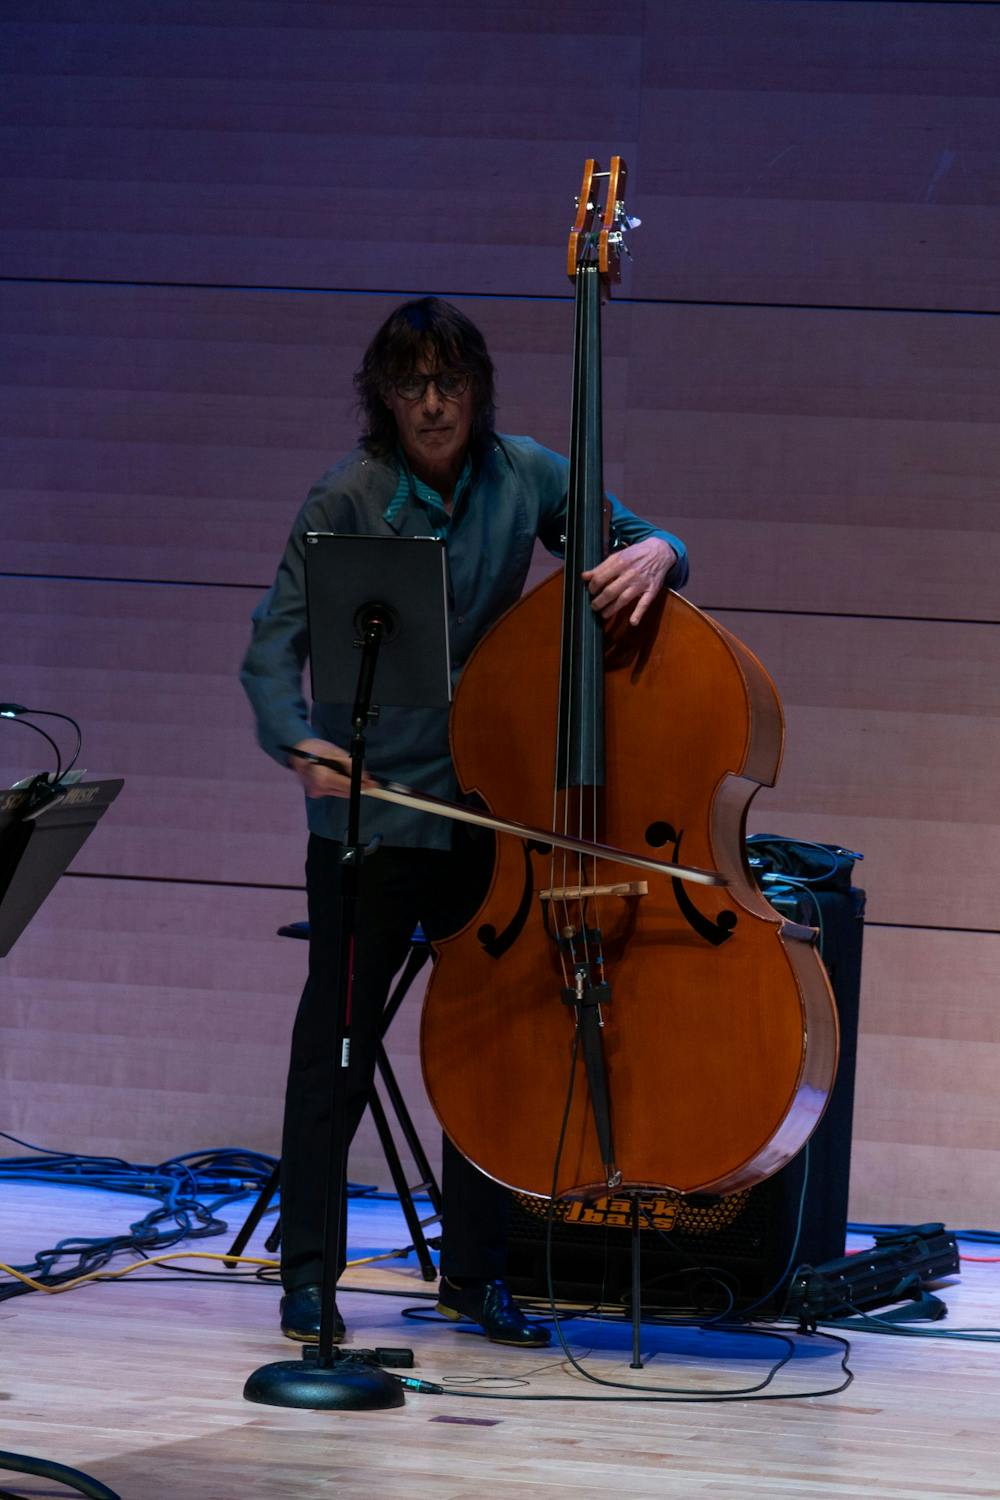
point(589, 1031)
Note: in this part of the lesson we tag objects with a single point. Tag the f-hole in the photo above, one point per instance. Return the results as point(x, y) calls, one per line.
point(496, 944)
point(715, 932)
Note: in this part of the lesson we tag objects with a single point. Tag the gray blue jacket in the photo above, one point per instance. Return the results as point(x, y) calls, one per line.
point(517, 494)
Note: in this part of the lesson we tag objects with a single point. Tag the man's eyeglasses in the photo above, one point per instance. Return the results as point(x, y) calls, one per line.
point(448, 383)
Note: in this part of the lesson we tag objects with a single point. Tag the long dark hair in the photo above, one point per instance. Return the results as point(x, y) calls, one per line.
point(425, 329)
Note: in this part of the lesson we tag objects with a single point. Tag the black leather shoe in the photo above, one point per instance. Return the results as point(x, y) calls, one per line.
point(300, 1310)
point(490, 1304)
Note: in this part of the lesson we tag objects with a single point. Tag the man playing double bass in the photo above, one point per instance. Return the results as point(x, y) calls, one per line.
point(429, 463)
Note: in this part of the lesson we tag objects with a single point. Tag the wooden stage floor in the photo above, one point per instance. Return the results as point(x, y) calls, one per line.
point(139, 1383)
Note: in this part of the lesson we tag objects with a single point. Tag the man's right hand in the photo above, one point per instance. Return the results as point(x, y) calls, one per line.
point(320, 781)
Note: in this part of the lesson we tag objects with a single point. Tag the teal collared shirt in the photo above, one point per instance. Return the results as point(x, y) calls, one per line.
point(410, 485)
point(515, 494)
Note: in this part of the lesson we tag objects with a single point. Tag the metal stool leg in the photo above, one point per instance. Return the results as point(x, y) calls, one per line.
point(255, 1215)
point(405, 1192)
point(418, 956)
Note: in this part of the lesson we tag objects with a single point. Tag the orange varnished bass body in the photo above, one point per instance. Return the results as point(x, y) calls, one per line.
point(720, 1056)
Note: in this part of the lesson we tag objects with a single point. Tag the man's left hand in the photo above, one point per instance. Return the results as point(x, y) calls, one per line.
point(631, 578)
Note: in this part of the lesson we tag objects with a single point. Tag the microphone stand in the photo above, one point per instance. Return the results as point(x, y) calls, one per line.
point(326, 1378)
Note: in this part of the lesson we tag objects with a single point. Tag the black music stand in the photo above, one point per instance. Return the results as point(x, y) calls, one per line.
point(344, 575)
point(42, 828)
point(376, 593)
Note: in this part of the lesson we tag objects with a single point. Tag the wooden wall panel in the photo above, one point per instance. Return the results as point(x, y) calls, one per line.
point(827, 153)
point(173, 434)
point(835, 460)
point(167, 433)
point(781, 152)
point(892, 748)
point(151, 674)
point(924, 984)
point(926, 1116)
point(319, 145)
point(148, 1015)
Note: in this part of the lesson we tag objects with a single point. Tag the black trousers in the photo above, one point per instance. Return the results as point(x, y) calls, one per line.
point(400, 888)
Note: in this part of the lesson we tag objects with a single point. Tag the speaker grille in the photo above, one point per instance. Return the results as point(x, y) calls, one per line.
point(695, 1252)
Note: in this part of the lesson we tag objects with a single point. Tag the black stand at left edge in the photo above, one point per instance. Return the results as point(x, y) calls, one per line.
point(42, 827)
point(328, 1379)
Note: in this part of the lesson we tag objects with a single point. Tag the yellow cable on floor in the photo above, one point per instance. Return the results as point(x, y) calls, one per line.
point(157, 1260)
point(138, 1265)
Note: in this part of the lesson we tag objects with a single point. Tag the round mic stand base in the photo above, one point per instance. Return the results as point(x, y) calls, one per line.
point(342, 1385)
point(327, 1379)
